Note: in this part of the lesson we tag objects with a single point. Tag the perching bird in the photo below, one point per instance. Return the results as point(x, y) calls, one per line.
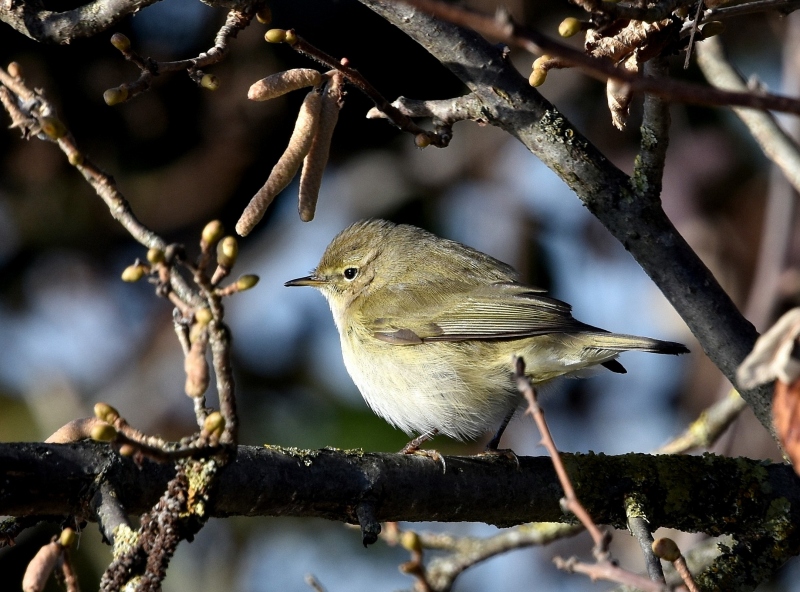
point(430, 330)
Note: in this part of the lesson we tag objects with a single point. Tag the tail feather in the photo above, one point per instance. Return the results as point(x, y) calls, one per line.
point(620, 343)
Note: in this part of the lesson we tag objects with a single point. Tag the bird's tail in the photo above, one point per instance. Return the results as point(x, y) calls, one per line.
point(619, 343)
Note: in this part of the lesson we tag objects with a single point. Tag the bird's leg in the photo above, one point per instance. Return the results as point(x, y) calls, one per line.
point(413, 447)
point(492, 446)
point(495, 441)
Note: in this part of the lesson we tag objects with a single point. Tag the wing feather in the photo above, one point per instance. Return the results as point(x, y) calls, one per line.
point(496, 311)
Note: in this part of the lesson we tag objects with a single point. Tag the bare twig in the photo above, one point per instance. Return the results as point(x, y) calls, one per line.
point(535, 42)
point(355, 78)
point(708, 427)
point(606, 570)
point(571, 502)
point(235, 22)
point(639, 527)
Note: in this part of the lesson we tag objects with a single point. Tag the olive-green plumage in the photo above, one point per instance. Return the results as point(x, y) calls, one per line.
point(430, 329)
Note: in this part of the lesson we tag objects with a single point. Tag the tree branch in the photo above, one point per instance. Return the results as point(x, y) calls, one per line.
point(31, 18)
point(716, 492)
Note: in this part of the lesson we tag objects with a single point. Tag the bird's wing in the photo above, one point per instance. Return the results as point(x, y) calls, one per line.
point(495, 311)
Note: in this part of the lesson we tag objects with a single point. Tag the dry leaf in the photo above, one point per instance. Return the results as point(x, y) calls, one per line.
point(786, 416)
point(771, 357)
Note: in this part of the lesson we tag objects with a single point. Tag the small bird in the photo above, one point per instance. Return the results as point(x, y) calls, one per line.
point(430, 330)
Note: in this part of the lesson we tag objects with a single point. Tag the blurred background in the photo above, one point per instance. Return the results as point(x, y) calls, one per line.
point(73, 334)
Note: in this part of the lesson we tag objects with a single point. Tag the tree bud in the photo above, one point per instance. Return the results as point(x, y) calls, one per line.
point(53, 127)
point(214, 424)
point(537, 77)
point(106, 412)
point(666, 549)
point(246, 282)
point(115, 96)
point(155, 256)
point(203, 316)
point(212, 232)
point(103, 432)
point(67, 538)
point(569, 26)
point(275, 36)
point(227, 251)
point(410, 541)
point(121, 42)
point(209, 82)
point(133, 273)
point(264, 16)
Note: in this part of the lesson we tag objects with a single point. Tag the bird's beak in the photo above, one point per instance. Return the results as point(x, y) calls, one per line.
point(309, 280)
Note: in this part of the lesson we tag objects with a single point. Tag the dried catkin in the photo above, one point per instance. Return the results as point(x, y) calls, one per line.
point(285, 169)
point(317, 157)
point(281, 83)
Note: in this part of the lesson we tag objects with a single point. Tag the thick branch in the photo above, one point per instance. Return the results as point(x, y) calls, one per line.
point(31, 18)
point(639, 224)
point(709, 493)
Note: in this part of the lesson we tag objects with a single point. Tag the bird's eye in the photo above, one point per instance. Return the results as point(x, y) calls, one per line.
point(350, 273)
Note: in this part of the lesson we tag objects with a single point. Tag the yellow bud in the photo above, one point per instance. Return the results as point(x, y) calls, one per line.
point(227, 251)
point(133, 273)
point(209, 82)
point(15, 70)
point(127, 450)
point(682, 12)
point(291, 37)
point(203, 316)
point(155, 255)
point(537, 77)
point(75, 158)
point(410, 541)
point(116, 95)
point(541, 61)
point(214, 423)
point(569, 26)
point(121, 42)
point(105, 412)
point(246, 282)
point(666, 549)
point(712, 28)
point(103, 432)
point(422, 140)
point(212, 232)
point(264, 16)
point(67, 538)
point(275, 36)
point(53, 127)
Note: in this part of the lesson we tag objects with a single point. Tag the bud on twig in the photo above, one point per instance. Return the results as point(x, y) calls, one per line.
point(569, 26)
point(53, 127)
point(133, 273)
point(106, 412)
point(116, 95)
point(246, 282)
point(214, 424)
point(212, 232)
point(209, 82)
point(227, 252)
point(103, 432)
point(121, 42)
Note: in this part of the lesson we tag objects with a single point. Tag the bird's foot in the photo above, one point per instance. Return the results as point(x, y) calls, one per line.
point(504, 452)
point(413, 447)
